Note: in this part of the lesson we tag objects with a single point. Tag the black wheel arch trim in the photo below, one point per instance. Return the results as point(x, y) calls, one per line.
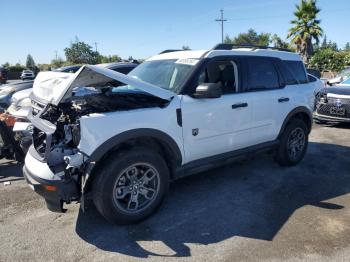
point(293, 113)
point(158, 135)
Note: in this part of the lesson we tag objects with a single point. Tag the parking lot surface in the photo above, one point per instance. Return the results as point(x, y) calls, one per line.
point(253, 210)
point(12, 82)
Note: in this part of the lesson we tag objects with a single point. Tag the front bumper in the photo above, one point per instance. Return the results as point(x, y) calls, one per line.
point(54, 188)
point(27, 77)
point(330, 119)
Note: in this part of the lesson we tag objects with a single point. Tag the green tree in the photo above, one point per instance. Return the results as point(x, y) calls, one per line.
point(109, 59)
point(333, 45)
point(81, 53)
point(6, 65)
point(278, 42)
point(104, 59)
point(44, 67)
point(328, 59)
point(30, 64)
point(115, 58)
point(306, 27)
point(324, 42)
point(347, 47)
point(249, 38)
point(56, 63)
point(329, 44)
point(16, 68)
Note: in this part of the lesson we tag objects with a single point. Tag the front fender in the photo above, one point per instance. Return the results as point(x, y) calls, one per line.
point(114, 141)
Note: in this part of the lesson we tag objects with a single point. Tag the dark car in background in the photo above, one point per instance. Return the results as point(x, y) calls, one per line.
point(3, 75)
point(121, 67)
point(67, 69)
point(333, 105)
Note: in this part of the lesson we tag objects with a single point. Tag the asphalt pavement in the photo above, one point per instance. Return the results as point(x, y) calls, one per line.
point(253, 210)
point(12, 82)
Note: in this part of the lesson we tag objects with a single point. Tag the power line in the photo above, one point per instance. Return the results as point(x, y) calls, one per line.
point(96, 46)
point(222, 20)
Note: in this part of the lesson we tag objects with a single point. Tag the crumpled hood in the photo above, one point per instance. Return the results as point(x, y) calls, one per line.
point(55, 86)
point(49, 85)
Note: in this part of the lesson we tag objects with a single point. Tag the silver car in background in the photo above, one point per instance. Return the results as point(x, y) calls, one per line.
point(27, 74)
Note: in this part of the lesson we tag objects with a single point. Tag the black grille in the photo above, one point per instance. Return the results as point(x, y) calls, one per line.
point(329, 107)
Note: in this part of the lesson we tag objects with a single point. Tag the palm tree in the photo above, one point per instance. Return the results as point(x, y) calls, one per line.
point(306, 27)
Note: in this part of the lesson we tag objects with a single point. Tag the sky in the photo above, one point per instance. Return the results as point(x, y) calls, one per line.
point(142, 28)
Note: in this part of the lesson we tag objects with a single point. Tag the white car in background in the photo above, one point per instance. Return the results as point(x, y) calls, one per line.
point(27, 74)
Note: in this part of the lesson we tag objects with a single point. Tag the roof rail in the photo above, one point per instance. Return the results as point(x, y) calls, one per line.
point(170, 50)
point(254, 47)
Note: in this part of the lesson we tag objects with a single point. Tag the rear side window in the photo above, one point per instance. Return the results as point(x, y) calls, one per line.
point(288, 77)
point(298, 70)
point(262, 74)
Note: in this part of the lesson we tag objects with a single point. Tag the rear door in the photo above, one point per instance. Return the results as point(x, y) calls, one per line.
point(265, 86)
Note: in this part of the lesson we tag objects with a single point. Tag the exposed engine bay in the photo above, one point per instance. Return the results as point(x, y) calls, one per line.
point(63, 153)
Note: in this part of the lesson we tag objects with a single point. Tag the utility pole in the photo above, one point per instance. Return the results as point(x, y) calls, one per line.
point(96, 46)
point(56, 54)
point(222, 20)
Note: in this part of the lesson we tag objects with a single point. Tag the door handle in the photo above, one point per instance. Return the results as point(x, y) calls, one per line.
point(283, 99)
point(238, 105)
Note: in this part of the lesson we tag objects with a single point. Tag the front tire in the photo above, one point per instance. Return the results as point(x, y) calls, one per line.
point(293, 143)
point(130, 185)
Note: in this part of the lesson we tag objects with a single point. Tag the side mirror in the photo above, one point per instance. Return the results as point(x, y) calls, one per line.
point(208, 90)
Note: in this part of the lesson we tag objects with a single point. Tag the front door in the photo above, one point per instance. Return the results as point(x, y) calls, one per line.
point(219, 125)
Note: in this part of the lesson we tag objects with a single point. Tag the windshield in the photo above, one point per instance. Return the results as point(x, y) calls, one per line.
point(347, 82)
point(167, 74)
point(345, 73)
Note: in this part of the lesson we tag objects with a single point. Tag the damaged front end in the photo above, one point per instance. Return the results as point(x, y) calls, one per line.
point(56, 166)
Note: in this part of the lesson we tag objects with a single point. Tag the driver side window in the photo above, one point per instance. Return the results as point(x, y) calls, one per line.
point(224, 72)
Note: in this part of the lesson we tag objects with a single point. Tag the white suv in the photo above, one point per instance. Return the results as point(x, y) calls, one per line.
point(178, 113)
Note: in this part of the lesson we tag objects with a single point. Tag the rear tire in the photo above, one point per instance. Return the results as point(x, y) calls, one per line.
point(293, 143)
point(130, 185)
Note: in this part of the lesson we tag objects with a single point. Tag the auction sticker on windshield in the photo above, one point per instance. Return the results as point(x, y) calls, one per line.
point(187, 61)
